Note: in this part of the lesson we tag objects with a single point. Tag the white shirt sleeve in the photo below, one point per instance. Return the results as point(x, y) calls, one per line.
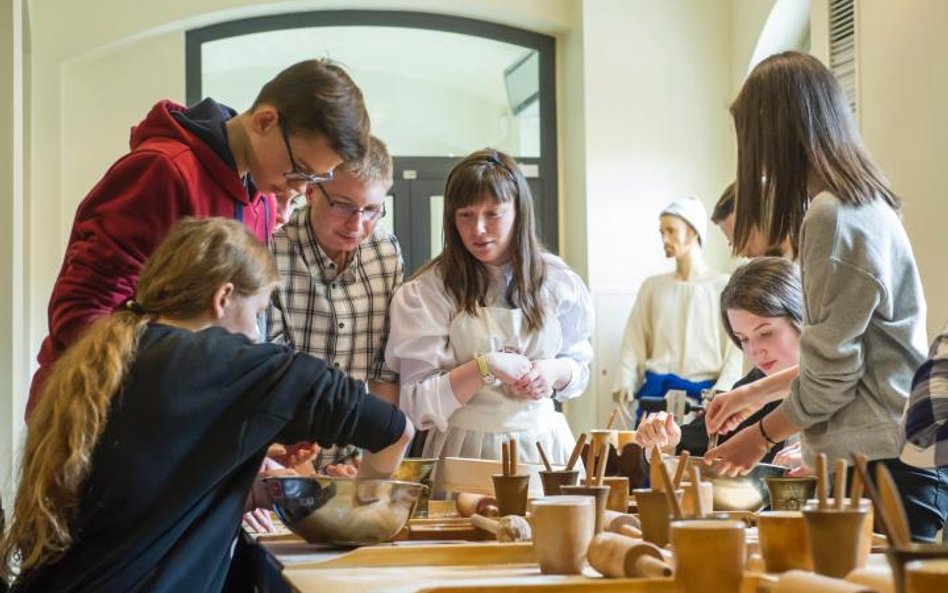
point(419, 351)
point(575, 316)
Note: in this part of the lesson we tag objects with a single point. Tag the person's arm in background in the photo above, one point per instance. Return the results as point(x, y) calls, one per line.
point(924, 427)
point(634, 351)
point(117, 226)
point(383, 381)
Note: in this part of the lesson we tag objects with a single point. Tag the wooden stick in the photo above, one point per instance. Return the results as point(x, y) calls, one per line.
point(821, 480)
point(591, 462)
point(505, 458)
point(577, 451)
point(694, 473)
point(889, 496)
point(622, 416)
point(862, 468)
point(513, 456)
point(546, 462)
point(680, 470)
point(612, 418)
point(603, 460)
point(856, 490)
point(670, 496)
point(654, 470)
point(839, 493)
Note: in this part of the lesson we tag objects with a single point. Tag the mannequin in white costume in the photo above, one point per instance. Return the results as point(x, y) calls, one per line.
point(488, 333)
point(674, 338)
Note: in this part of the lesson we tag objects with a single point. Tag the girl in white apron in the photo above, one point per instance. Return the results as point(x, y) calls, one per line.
point(488, 333)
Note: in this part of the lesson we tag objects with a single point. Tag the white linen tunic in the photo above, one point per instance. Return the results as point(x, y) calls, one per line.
point(430, 337)
point(675, 327)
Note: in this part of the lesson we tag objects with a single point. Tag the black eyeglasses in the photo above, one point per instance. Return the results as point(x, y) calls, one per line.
point(296, 174)
point(370, 212)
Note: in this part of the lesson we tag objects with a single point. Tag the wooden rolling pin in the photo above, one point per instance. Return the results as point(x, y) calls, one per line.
point(511, 528)
point(612, 520)
point(480, 504)
point(617, 556)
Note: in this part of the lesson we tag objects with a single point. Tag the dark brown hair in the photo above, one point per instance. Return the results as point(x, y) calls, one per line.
point(725, 205)
point(766, 287)
point(317, 97)
point(492, 174)
point(791, 118)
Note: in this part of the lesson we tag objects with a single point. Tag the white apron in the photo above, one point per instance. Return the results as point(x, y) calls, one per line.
point(490, 417)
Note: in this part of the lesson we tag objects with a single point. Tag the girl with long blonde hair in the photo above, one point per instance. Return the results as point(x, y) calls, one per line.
point(142, 450)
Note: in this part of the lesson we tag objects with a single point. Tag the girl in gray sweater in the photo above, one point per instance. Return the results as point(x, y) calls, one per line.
point(804, 177)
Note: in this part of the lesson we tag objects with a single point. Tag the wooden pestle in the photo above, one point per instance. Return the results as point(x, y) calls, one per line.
point(591, 462)
point(628, 531)
point(618, 556)
point(505, 458)
point(603, 460)
point(577, 451)
point(612, 418)
point(680, 469)
point(673, 505)
point(513, 457)
point(511, 528)
point(860, 463)
point(839, 486)
point(821, 481)
point(612, 520)
point(694, 473)
point(655, 470)
point(892, 503)
point(482, 504)
point(855, 493)
point(543, 458)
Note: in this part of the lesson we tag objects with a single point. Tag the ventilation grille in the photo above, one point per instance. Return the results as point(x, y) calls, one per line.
point(842, 44)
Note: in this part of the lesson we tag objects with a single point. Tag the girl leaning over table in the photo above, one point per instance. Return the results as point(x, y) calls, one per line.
point(803, 174)
point(491, 331)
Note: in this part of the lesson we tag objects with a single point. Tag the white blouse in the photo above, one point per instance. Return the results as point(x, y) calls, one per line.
point(420, 349)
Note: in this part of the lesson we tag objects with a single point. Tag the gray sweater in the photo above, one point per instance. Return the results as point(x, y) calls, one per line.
point(863, 334)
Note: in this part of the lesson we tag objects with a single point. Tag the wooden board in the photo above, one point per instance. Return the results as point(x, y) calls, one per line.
point(468, 554)
point(458, 474)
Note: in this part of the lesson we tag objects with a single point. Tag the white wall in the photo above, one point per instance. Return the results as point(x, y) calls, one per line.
point(657, 83)
point(903, 94)
point(13, 27)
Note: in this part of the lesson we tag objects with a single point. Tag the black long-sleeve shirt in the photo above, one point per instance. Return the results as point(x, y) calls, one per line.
point(183, 442)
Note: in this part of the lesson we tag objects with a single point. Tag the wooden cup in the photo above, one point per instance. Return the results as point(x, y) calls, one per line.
point(865, 539)
point(618, 499)
point(654, 515)
point(562, 530)
point(900, 557)
point(926, 576)
point(511, 494)
point(783, 541)
point(834, 538)
point(599, 493)
point(790, 493)
point(623, 438)
point(709, 555)
point(552, 481)
point(690, 507)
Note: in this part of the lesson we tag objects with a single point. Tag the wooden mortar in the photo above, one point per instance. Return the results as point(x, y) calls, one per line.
point(563, 527)
point(553, 480)
point(834, 537)
point(654, 515)
point(511, 493)
point(925, 576)
point(599, 493)
point(618, 556)
point(783, 541)
point(709, 555)
point(618, 499)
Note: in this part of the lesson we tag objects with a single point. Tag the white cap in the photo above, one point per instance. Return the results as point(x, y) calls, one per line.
point(692, 211)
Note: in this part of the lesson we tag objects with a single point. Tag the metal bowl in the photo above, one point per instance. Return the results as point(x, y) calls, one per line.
point(343, 511)
point(417, 469)
point(743, 493)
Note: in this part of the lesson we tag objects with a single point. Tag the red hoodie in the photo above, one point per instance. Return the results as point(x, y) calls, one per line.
point(170, 173)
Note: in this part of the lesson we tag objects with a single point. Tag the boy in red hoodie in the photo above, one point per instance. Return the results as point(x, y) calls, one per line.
point(204, 160)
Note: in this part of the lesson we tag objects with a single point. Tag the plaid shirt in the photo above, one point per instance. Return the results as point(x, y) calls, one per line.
point(925, 423)
point(341, 317)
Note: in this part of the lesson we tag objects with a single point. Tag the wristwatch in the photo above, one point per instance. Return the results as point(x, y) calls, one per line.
point(486, 376)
